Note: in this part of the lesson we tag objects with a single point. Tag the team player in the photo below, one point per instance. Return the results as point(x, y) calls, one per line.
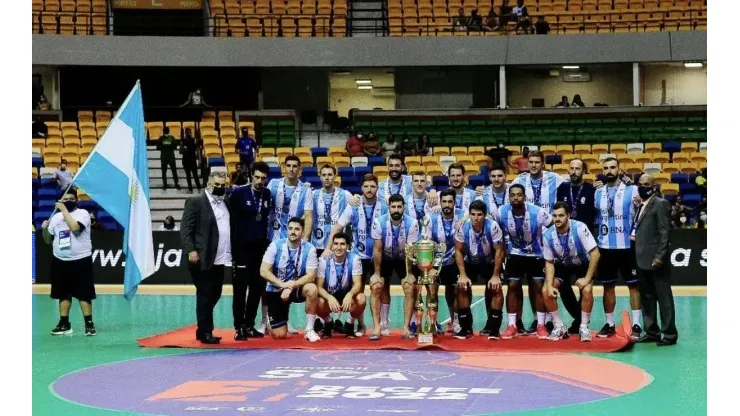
point(397, 183)
point(331, 209)
point(362, 243)
point(569, 249)
point(289, 266)
point(479, 253)
point(441, 229)
point(496, 194)
point(417, 204)
point(391, 233)
point(615, 205)
point(522, 224)
point(463, 195)
point(339, 282)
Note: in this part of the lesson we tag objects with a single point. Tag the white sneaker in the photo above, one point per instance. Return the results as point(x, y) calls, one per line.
point(585, 334)
point(262, 328)
point(558, 333)
point(312, 336)
point(361, 329)
point(291, 329)
point(384, 330)
point(456, 326)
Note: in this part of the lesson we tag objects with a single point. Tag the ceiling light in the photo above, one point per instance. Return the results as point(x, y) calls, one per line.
point(364, 87)
point(693, 64)
point(363, 81)
point(571, 67)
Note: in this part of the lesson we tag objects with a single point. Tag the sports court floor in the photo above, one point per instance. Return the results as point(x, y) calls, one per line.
point(676, 383)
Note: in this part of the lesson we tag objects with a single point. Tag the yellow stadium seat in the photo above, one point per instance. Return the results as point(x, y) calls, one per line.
point(54, 141)
point(324, 160)
point(34, 172)
point(590, 159)
point(660, 157)
point(266, 152)
point(625, 158)
point(698, 157)
point(188, 125)
point(336, 151)
point(681, 157)
point(413, 160)
point(380, 170)
point(282, 152)
point(465, 160)
point(599, 148)
point(306, 161)
point(569, 158)
point(476, 151)
point(434, 171)
point(471, 169)
point(669, 188)
point(671, 168)
point(548, 150)
point(589, 177)
point(481, 160)
point(429, 160)
point(689, 147)
point(632, 168)
point(618, 148)
point(213, 151)
point(175, 129)
point(302, 151)
point(560, 169)
point(341, 161)
point(154, 128)
point(511, 176)
point(689, 167)
point(85, 116)
point(564, 149)
point(653, 147)
point(441, 151)
point(515, 150)
point(38, 143)
point(662, 178)
point(459, 151)
point(582, 148)
point(642, 157)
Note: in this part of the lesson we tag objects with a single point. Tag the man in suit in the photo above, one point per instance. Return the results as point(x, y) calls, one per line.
point(651, 235)
point(206, 236)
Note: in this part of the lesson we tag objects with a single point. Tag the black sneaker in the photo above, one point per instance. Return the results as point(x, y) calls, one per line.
point(338, 326)
point(328, 327)
point(464, 334)
point(90, 330)
point(486, 329)
point(493, 335)
point(62, 329)
point(607, 331)
point(253, 333)
point(520, 328)
point(574, 328)
point(240, 335)
point(318, 325)
point(349, 330)
point(636, 332)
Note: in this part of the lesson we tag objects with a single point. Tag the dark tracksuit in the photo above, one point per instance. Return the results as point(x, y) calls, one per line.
point(167, 146)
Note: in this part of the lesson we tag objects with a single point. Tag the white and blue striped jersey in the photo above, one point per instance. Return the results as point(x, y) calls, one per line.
point(362, 223)
point(480, 247)
point(542, 192)
point(441, 230)
point(287, 202)
point(524, 234)
point(494, 201)
point(328, 210)
point(405, 188)
point(289, 264)
point(463, 200)
point(570, 249)
point(394, 239)
point(615, 215)
point(338, 275)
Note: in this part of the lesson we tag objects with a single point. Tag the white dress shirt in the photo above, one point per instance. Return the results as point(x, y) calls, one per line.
point(223, 252)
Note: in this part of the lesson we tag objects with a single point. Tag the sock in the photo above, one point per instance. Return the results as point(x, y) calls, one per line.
point(637, 317)
point(361, 320)
point(585, 319)
point(541, 318)
point(495, 319)
point(610, 319)
point(326, 318)
point(384, 309)
point(310, 320)
point(548, 318)
point(64, 320)
point(351, 320)
point(88, 319)
point(265, 318)
point(556, 319)
point(413, 318)
point(466, 319)
point(512, 319)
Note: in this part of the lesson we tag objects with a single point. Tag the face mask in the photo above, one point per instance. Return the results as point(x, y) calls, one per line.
point(70, 205)
point(703, 218)
point(396, 216)
point(610, 177)
point(501, 146)
point(682, 219)
point(218, 191)
point(359, 136)
point(645, 191)
point(169, 225)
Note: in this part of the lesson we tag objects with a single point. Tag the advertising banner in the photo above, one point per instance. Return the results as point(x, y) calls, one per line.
point(158, 4)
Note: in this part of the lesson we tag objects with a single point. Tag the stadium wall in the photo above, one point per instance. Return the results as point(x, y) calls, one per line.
point(368, 52)
point(683, 86)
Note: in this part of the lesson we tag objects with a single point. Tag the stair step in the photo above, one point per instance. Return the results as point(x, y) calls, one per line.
point(159, 216)
point(166, 204)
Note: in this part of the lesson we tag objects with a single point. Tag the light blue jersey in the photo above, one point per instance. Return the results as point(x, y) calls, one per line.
point(338, 275)
point(287, 202)
point(524, 234)
point(480, 248)
point(289, 264)
point(494, 201)
point(362, 222)
point(394, 239)
point(615, 215)
point(405, 188)
point(542, 192)
point(570, 249)
point(329, 209)
point(441, 230)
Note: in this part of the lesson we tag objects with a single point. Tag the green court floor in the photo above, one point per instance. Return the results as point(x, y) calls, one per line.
point(679, 372)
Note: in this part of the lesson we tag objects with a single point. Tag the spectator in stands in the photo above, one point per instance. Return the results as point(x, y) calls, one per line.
point(189, 149)
point(476, 21)
point(563, 102)
point(701, 220)
point(169, 224)
point(499, 155)
point(196, 98)
point(43, 104)
point(541, 27)
point(390, 145)
point(371, 147)
point(460, 23)
point(95, 224)
point(683, 221)
point(492, 19)
point(577, 102)
point(239, 177)
point(505, 14)
point(424, 145)
point(247, 149)
point(679, 209)
point(406, 147)
point(63, 176)
point(522, 16)
point(166, 146)
point(521, 164)
point(701, 182)
point(39, 129)
point(355, 145)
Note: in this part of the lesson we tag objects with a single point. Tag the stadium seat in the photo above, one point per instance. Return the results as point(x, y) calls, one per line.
point(669, 188)
point(698, 157)
point(681, 157)
point(441, 151)
point(324, 160)
point(336, 151)
point(661, 157)
point(283, 152)
point(652, 168)
point(635, 148)
point(359, 161)
point(671, 168)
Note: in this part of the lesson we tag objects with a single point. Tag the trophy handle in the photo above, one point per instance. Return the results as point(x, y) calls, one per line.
point(439, 252)
point(409, 252)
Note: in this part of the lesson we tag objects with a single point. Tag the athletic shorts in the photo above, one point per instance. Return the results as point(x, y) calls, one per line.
point(72, 279)
point(339, 295)
point(278, 310)
point(368, 269)
point(565, 273)
point(519, 266)
point(393, 265)
point(448, 274)
point(617, 261)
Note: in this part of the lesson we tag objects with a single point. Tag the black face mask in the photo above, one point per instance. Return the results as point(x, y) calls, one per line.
point(218, 191)
point(70, 205)
point(645, 191)
point(610, 177)
point(169, 225)
point(396, 216)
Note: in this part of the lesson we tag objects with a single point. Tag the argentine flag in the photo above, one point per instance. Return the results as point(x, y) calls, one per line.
point(116, 177)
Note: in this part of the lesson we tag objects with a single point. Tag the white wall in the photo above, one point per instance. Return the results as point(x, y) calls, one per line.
point(342, 100)
point(50, 78)
point(610, 84)
point(684, 86)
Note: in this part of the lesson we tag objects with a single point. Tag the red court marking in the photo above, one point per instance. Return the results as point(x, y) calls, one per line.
point(276, 398)
point(213, 391)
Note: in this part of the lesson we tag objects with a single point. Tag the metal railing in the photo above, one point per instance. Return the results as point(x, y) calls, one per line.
point(275, 25)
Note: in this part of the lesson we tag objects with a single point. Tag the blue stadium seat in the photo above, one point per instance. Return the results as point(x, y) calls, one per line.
point(353, 189)
point(216, 161)
point(48, 183)
point(679, 177)
point(37, 162)
point(350, 181)
point(315, 181)
point(88, 205)
point(49, 193)
point(346, 173)
point(319, 151)
point(41, 215)
point(376, 161)
point(687, 187)
point(274, 170)
point(672, 147)
point(309, 171)
point(484, 172)
point(46, 203)
point(691, 200)
point(553, 159)
point(362, 171)
point(475, 181)
point(438, 181)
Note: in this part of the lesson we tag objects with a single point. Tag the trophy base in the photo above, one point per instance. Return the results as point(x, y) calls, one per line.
point(425, 339)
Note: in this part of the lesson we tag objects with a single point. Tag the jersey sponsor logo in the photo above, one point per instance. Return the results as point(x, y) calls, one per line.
point(606, 230)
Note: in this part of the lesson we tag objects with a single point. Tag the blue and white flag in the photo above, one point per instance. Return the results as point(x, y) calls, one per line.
point(116, 176)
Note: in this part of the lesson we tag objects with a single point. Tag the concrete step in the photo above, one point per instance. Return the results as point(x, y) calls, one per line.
point(155, 155)
point(170, 193)
point(159, 216)
point(156, 173)
point(167, 204)
point(158, 185)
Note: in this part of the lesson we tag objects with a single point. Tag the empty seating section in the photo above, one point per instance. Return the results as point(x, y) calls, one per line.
point(436, 17)
point(279, 18)
point(70, 17)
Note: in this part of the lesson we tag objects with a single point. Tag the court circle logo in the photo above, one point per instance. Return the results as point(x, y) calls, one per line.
point(359, 382)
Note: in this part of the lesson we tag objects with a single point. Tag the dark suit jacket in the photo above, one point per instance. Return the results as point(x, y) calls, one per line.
point(199, 230)
point(652, 233)
point(584, 206)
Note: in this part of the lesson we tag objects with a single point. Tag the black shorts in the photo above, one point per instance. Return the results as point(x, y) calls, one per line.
point(617, 261)
point(72, 279)
point(519, 266)
point(393, 265)
point(368, 269)
point(278, 310)
point(339, 295)
point(565, 273)
point(479, 272)
point(448, 275)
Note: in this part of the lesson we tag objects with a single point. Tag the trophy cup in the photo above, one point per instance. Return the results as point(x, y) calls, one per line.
point(427, 256)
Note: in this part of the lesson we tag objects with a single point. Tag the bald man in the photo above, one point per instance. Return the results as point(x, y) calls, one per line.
point(651, 236)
